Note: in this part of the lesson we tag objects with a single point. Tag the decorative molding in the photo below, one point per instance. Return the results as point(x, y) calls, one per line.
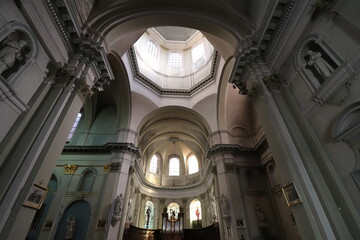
point(70, 168)
point(347, 126)
point(106, 168)
point(80, 45)
point(235, 148)
point(324, 5)
point(249, 60)
point(114, 167)
point(8, 96)
point(52, 69)
point(83, 88)
point(257, 54)
point(106, 148)
point(338, 98)
point(144, 182)
point(161, 91)
point(254, 92)
point(275, 27)
point(275, 81)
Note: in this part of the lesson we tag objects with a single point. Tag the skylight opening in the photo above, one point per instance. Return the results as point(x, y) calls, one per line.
point(175, 59)
point(198, 52)
point(153, 50)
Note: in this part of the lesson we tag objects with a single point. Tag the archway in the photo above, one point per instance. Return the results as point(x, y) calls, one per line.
point(74, 222)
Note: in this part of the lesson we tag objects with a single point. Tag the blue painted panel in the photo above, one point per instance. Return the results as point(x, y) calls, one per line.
point(81, 210)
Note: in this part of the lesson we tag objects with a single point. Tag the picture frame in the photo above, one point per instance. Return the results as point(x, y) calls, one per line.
point(240, 223)
point(291, 195)
point(35, 196)
point(48, 224)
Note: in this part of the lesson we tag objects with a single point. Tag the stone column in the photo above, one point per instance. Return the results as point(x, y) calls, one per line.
point(40, 137)
point(117, 181)
point(228, 194)
point(313, 220)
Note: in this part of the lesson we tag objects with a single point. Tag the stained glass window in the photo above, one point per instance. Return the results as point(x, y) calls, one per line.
point(195, 211)
point(149, 215)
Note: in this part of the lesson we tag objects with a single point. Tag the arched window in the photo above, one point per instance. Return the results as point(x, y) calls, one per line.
point(173, 209)
point(197, 52)
point(195, 213)
point(74, 126)
point(153, 167)
point(87, 180)
point(153, 50)
point(175, 59)
point(193, 164)
point(174, 166)
point(149, 214)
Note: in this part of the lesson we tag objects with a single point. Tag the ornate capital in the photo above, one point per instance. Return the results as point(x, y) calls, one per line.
point(115, 167)
point(70, 169)
point(325, 5)
point(52, 69)
point(254, 92)
point(112, 167)
point(275, 81)
point(83, 88)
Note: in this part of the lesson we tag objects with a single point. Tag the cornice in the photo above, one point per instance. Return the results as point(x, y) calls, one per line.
point(141, 176)
point(257, 54)
point(227, 148)
point(162, 91)
point(235, 148)
point(80, 46)
point(106, 148)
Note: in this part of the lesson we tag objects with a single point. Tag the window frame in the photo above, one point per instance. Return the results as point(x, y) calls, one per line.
point(189, 159)
point(157, 164)
point(178, 163)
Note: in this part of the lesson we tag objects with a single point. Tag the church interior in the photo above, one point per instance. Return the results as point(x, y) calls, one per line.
point(150, 119)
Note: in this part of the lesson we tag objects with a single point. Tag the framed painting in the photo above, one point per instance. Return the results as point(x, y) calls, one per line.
point(35, 196)
point(291, 195)
point(240, 223)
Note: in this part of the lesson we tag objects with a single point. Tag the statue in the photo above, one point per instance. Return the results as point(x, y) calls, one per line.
point(260, 214)
point(70, 228)
point(224, 205)
point(10, 53)
point(118, 203)
point(117, 209)
point(319, 63)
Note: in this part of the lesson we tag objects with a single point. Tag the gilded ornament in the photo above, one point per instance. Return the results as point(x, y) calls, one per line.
point(70, 169)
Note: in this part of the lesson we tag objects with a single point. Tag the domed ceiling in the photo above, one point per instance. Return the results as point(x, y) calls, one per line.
point(174, 60)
